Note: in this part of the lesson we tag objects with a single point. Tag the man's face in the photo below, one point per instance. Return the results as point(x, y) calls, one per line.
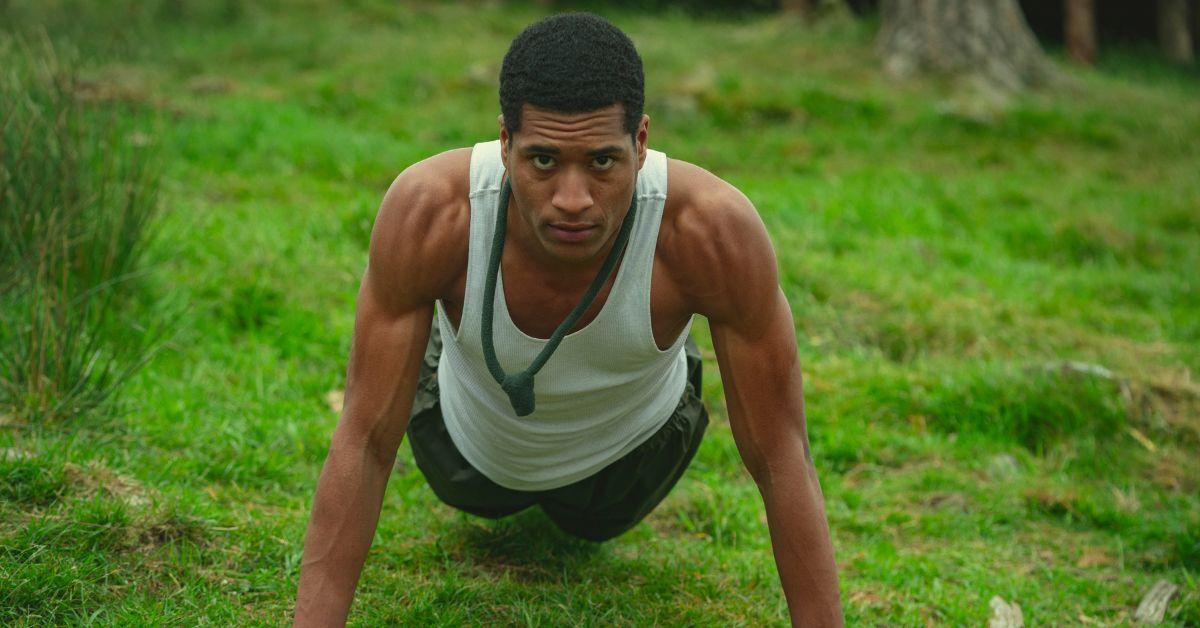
point(573, 177)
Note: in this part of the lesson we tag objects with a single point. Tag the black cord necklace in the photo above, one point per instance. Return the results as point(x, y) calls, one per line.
point(519, 386)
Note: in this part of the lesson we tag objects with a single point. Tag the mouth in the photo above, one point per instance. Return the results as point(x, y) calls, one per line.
point(571, 231)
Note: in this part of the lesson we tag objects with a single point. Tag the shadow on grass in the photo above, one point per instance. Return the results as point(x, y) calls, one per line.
point(527, 546)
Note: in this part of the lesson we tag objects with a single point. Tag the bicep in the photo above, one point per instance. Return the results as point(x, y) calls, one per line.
point(760, 373)
point(755, 340)
point(413, 255)
point(381, 377)
point(723, 260)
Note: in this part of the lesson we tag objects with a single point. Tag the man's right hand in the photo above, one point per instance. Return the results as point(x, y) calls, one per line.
point(418, 253)
point(380, 385)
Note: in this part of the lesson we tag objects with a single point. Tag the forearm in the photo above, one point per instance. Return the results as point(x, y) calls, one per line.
point(802, 546)
point(344, 516)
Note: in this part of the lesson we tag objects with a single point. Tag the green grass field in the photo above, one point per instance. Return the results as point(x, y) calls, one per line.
point(948, 259)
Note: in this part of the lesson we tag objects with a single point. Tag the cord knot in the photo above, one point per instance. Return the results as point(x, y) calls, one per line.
point(519, 387)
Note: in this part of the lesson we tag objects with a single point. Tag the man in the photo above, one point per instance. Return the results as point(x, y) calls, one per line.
point(567, 245)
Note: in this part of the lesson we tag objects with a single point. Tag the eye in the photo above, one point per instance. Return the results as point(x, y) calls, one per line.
point(603, 162)
point(542, 162)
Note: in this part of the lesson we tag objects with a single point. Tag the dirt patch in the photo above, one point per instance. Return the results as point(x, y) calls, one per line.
point(869, 598)
point(1175, 470)
point(1094, 557)
point(96, 478)
point(1052, 500)
point(947, 501)
point(172, 528)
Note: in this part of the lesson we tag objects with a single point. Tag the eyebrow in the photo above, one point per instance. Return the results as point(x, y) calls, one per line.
point(543, 149)
point(605, 150)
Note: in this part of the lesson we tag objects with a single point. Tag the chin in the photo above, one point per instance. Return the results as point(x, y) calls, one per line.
point(572, 252)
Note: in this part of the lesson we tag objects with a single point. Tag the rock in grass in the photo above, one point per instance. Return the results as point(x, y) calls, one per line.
point(1003, 467)
point(1082, 368)
point(9, 454)
point(1154, 603)
point(1005, 615)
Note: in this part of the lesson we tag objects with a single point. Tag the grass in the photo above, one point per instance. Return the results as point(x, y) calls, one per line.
point(945, 256)
point(79, 205)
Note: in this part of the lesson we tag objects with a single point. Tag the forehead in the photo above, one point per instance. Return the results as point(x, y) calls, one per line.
point(543, 126)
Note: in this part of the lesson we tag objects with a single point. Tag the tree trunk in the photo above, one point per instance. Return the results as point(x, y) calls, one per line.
point(1174, 34)
point(988, 39)
point(1081, 30)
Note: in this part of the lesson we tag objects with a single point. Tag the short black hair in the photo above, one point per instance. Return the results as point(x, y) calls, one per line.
point(572, 63)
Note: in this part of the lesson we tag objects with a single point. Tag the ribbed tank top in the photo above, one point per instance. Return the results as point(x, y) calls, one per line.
point(606, 389)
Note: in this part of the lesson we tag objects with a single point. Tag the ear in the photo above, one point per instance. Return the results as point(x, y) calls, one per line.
point(640, 139)
point(504, 139)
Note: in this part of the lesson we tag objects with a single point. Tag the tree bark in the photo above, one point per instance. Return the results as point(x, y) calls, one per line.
point(1080, 29)
point(989, 40)
point(1174, 34)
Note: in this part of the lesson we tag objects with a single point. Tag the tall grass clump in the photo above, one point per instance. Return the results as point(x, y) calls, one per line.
point(78, 201)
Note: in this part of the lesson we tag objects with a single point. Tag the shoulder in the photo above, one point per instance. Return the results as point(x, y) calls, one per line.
point(714, 244)
point(420, 238)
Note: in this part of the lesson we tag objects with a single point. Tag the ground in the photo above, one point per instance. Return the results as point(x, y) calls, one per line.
point(959, 265)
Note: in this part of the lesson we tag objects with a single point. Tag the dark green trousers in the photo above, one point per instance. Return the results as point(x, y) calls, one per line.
point(598, 507)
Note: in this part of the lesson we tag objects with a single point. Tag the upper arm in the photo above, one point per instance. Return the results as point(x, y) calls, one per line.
point(760, 373)
point(752, 329)
point(418, 246)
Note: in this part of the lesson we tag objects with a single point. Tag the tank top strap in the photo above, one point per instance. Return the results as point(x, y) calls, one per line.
point(487, 170)
point(487, 175)
point(652, 178)
point(643, 243)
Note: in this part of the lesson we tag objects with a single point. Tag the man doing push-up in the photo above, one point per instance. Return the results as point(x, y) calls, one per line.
point(524, 318)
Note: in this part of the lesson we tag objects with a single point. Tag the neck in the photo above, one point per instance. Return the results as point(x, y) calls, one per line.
point(519, 386)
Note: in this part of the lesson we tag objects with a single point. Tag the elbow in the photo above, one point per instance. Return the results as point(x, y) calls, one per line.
point(756, 465)
point(382, 454)
point(375, 450)
point(781, 462)
point(382, 442)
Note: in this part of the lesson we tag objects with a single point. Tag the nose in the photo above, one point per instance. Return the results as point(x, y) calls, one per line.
point(571, 194)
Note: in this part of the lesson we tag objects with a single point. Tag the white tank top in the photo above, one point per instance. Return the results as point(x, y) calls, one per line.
point(606, 389)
